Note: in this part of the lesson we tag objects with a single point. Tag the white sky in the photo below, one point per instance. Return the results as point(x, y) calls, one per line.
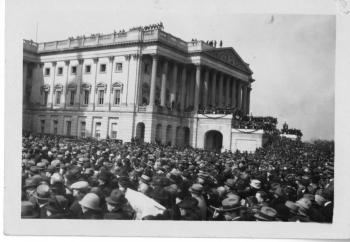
point(292, 57)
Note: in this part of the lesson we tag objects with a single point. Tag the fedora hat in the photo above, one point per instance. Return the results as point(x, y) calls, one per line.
point(80, 186)
point(255, 184)
point(145, 179)
point(266, 214)
point(116, 198)
point(231, 203)
point(91, 201)
point(293, 208)
point(42, 192)
point(230, 183)
point(196, 188)
point(304, 204)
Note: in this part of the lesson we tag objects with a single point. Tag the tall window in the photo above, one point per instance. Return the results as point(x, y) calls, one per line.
point(113, 131)
point(42, 126)
point(101, 94)
point(97, 130)
point(82, 129)
point(86, 97)
point(119, 67)
point(69, 127)
point(147, 69)
point(58, 97)
point(117, 97)
point(47, 71)
point(103, 68)
point(55, 127)
point(74, 70)
point(72, 95)
point(60, 71)
point(87, 69)
point(46, 95)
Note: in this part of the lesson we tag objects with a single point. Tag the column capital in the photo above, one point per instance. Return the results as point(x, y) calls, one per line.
point(66, 62)
point(154, 55)
point(80, 61)
point(95, 60)
point(54, 63)
point(41, 64)
point(127, 57)
point(110, 58)
point(136, 56)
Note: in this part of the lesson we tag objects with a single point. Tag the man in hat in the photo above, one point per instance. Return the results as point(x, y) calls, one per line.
point(28, 210)
point(118, 207)
point(79, 190)
point(266, 214)
point(189, 209)
point(144, 185)
point(229, 211)
point(196, 191)
point(90, 206)
point(40, 199)
point(57, 207)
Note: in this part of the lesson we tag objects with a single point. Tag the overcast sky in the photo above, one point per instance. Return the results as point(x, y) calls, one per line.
point(292, 56)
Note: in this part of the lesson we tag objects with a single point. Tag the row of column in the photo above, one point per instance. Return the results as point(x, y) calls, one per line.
point(231, 92)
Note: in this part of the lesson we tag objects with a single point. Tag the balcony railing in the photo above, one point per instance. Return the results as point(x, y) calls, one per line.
point(133, 36)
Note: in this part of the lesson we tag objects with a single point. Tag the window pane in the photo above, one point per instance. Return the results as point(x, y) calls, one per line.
point(86, 97)
point(82, 129)
point(98, 130)
point(72, 94)
point(117, 97)
point(100, 96)
point(68, 128)
point(58, 97)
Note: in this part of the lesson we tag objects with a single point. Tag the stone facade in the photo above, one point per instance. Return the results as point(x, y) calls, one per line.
point(144, 84)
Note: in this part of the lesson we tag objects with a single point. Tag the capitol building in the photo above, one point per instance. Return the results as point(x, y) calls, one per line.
point(142, 83)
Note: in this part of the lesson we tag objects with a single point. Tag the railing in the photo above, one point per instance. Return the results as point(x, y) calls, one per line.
point(117, 38)
point(30, 45)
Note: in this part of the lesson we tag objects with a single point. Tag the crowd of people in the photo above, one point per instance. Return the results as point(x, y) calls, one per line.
point(89, 179)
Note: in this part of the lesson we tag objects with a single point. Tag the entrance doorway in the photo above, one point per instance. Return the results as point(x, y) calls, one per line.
point(213, 141)
point(140, 132)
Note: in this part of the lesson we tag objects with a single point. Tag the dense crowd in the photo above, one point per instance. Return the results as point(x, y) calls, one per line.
point(89, 179)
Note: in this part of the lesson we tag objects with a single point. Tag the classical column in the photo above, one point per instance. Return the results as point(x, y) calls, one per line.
point(220, 97)
point(153, 80)
point(163, 84)
point(197, 87)
point(174, 85)
point(52, 88)
point(205, 87)
point(227, 94)
point(213, 91)
point(248, 100)
point(239, 96)
point(95, 82)
point(110, 93)
point(244, 99)
point(183, 88)
point(80, 80)
point(66, 86)
point(233, 100)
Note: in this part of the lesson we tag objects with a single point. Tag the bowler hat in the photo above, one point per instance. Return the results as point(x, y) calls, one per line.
point(116, 197)
point(80, 186)
point(196, 188)
point(231, 203)
point(91, 201)
point(266, 214)
point(42, 192)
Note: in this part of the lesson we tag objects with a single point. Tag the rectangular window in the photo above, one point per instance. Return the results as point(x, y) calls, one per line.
point(42, 126)
point(103, 68)
point(119, 67)
point(72, 96)
point(86, 97)
point(117, 97)
point(55, 127)
point(87, 69)
point(46, 95)
point(60, 71)
point(101, 94)
point(98, 130)
point(74, 70)
point(69, 127)
point(47, 71)
point(113, 131)
point(82, 129)
point(58, 97)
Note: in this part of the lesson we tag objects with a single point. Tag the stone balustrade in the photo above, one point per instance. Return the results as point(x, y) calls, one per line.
point(133, 36)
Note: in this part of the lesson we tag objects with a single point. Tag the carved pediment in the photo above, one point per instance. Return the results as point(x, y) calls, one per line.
point(117, 85)
point(230, 57)
point(45, 88)
point(86, 86)
point(101, 86)
point(58, 87)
